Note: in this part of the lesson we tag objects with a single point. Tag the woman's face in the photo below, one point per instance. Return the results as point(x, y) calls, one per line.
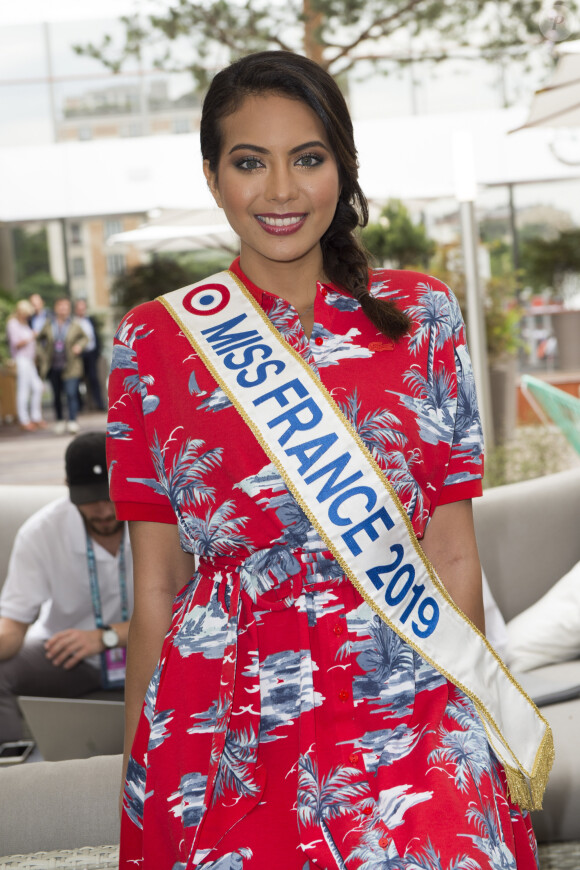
point(277, 181)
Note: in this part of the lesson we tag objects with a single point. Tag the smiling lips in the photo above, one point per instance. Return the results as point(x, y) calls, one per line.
point(281, 224)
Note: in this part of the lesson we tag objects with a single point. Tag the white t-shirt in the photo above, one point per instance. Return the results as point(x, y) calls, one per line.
point(89, 331)
point(47, 585)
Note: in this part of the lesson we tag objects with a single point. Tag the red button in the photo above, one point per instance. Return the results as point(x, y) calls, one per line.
point(353, 757)
point(324, 291)
point(383, 842)
point(338, 628)
point(344, 694)
point(319, 340)
point(367, 810)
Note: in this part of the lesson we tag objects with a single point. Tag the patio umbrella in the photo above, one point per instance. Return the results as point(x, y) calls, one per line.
point(181, 230)
point(557, 104)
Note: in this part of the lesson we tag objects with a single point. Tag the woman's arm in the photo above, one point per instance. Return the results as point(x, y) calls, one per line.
point(160, 570)
point(450, 545)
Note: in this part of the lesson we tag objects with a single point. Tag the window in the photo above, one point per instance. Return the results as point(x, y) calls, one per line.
point(112, 226)
point(134, 128)
point(75, 232)
point(78, 267)
point(115, 264)
point(181, 125)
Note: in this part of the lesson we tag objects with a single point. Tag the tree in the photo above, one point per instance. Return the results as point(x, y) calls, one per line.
point(397, 240)
point(202, 35)
point(6, 308)
point(548, 262)
point(162, 274)
point(33, 267)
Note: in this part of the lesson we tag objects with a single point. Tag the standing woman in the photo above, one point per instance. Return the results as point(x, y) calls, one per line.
point(29, 386)
point(296, 708)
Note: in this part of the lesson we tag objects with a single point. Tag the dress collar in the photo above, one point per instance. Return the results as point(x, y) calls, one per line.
point(263, 297)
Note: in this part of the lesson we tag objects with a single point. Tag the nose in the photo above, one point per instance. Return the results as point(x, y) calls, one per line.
point(101, 509)
point(281, 185)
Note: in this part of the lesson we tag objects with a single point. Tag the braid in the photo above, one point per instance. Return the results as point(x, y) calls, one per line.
point(346, 264)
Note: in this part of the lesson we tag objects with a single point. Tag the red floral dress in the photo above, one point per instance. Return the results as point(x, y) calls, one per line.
point(286, 726)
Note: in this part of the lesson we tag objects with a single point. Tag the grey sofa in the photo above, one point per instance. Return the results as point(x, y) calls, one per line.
point(528, 538)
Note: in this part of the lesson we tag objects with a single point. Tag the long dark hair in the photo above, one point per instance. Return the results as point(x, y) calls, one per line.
point(283, 72)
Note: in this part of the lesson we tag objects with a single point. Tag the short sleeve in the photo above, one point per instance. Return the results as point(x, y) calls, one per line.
point(465, 469)
point(26, 587)
point(135, 488)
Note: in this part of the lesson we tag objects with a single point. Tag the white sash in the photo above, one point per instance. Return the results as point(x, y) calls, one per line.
point(357, 513)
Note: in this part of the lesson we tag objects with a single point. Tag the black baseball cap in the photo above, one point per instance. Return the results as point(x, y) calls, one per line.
point(86, 468)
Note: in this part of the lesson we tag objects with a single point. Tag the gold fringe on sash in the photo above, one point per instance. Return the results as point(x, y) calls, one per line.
point(525, 791)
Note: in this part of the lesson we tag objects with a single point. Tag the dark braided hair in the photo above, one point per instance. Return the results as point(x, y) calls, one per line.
point(283, 72)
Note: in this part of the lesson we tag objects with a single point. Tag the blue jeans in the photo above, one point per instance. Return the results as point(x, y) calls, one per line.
point(71, 390)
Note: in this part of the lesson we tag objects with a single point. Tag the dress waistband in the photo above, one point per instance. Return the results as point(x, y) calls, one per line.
point(275, 577)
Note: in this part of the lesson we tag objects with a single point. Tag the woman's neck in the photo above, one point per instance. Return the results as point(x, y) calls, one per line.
point(294, 281)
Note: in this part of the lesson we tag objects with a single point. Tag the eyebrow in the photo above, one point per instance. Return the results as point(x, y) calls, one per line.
point(244, 146)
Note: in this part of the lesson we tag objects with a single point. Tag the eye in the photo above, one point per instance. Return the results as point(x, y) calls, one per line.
point(309, 160)
point(248, 164)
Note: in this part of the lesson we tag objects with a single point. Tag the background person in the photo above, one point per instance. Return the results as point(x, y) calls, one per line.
point(39, 314)
point(310, 733)
point(70, 576)
point(29, 386)
point(61, 342)
point(91, 354)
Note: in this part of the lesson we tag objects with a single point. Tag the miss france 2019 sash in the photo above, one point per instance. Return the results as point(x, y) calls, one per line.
point(355, 510)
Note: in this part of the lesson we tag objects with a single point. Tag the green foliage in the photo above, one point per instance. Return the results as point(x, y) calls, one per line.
point(546, 262)
point(7, 303)
point(502, 313)
point(41, 283)
point(30, 252)
point(200, 264)
point(534, 452)
point(32, 266)
point(502, 319)
point(202, 35)
point(162, 274)
point(500, 258)
point(396, 240)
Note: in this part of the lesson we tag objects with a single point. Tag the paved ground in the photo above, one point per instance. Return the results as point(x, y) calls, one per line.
point(38, 457)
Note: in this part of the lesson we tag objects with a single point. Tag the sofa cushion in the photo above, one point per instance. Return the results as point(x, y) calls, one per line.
point(549, 631)
point(74, 804)
point(88, 858)
point(527, 534)
point(19, 503)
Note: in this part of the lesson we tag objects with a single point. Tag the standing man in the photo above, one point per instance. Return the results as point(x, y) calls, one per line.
point(68, 596)
point(39, 316)
point(91, 353)
point(60, 344)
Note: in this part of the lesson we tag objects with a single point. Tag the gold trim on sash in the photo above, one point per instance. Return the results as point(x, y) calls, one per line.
point(526, 787)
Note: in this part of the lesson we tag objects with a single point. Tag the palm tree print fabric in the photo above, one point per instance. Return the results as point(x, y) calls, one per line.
point(286, 726)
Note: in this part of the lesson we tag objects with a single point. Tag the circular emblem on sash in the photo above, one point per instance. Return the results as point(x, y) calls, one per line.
point(207, 299)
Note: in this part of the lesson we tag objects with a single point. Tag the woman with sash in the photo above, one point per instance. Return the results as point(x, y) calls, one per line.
point(295, 443)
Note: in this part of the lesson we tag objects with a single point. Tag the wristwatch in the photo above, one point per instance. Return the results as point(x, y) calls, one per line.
point(109, 637)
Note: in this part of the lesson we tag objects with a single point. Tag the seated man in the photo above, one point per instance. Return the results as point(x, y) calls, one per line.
point(68, 596)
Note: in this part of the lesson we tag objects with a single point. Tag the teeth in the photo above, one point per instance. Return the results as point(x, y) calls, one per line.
point(279, 222)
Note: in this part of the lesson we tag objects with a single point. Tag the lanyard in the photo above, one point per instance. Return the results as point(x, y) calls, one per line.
point(60, 330)
point(94, 581)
